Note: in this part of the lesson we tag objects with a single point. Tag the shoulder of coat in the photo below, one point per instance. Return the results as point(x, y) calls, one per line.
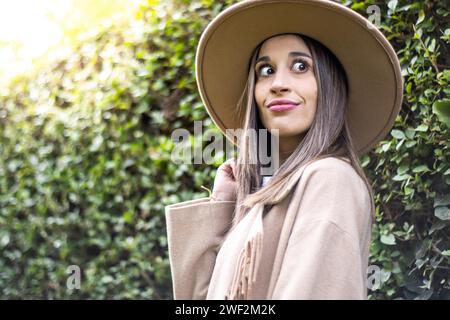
point(332, 165)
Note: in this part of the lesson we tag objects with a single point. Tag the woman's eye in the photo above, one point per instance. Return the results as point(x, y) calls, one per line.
point(302, 67)
point(262, 68)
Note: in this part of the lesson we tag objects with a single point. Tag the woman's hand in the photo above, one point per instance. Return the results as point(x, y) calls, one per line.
point(225, 181)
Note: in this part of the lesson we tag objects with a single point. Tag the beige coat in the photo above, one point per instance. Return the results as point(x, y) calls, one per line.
point(314, 243)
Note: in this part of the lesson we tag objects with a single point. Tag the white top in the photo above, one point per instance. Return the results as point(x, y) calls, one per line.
point(265, 180)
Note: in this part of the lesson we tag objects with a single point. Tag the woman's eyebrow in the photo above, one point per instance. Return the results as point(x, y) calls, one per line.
point(291, 54)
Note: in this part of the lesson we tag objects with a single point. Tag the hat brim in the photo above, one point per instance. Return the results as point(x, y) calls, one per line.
point(370, 62)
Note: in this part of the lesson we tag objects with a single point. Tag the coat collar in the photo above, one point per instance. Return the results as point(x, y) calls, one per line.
point(289, 185)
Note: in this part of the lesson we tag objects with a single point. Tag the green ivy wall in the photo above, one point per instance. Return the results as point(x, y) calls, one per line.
point(86, 169)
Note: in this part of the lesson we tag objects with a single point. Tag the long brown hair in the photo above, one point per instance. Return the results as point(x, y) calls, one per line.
point(328, 135)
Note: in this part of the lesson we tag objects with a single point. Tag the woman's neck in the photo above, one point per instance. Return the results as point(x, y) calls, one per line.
point(287, 145)
point(284, 156)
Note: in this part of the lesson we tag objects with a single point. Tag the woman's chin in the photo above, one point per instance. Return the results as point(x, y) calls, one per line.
point(285, 134)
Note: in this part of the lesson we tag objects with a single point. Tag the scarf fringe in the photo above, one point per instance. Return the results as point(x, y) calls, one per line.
point(247, 265)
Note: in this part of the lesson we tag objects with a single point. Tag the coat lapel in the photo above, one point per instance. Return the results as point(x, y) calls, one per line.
point(289, 185)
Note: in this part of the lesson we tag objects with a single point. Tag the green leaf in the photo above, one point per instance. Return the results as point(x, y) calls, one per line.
point(401, 177)
point(437, 225)
point(408, 87)
point(399, 145)
point(128, 216)
point(388, 239)
point(441, 200)
point(392, 4)
point(442, 213)
point(421, 168)
point(419, 263)
point(397, 134)
point(365, 160)
point(420, 253)
point(358, 6)
point(442, 109)
point(410, 133)
point(385, 147)
point(421, 17)
point(402, 169)
point(408, 191)
point(432, 45)
point(422, 128)
point(418, 35)
point(446, 253)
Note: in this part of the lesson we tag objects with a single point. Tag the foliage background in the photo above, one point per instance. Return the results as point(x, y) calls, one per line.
point(85, 167)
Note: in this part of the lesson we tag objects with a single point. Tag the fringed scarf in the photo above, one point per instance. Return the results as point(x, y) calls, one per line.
point(248, 262)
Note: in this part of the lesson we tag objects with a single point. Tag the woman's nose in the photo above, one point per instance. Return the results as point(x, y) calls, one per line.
point(280, 82)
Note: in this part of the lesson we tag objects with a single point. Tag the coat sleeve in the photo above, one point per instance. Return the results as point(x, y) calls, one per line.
point(326, 255)
point(195, 230)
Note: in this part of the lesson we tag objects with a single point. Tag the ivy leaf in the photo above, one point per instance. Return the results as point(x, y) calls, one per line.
point(421, 168)
point(401, 177)
point(402, 169)
point(426, 244)
point(432, 45)
point(410, 133)
point(422, 128)
point(388, 239)
point(441, 200)
point(366, 160)
point(442, 213)
point(392, 4)
point(421, 17)
point(442, 109)
point(397, 134)
point(408, 87)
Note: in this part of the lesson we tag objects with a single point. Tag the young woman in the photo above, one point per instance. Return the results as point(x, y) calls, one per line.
point(327, 84)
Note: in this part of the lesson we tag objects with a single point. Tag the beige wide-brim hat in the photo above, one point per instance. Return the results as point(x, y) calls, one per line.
point(371, 64)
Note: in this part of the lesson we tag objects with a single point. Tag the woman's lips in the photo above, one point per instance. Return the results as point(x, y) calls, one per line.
point(282, 107)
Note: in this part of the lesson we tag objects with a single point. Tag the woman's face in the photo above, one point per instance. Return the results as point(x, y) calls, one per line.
point(285, 71)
